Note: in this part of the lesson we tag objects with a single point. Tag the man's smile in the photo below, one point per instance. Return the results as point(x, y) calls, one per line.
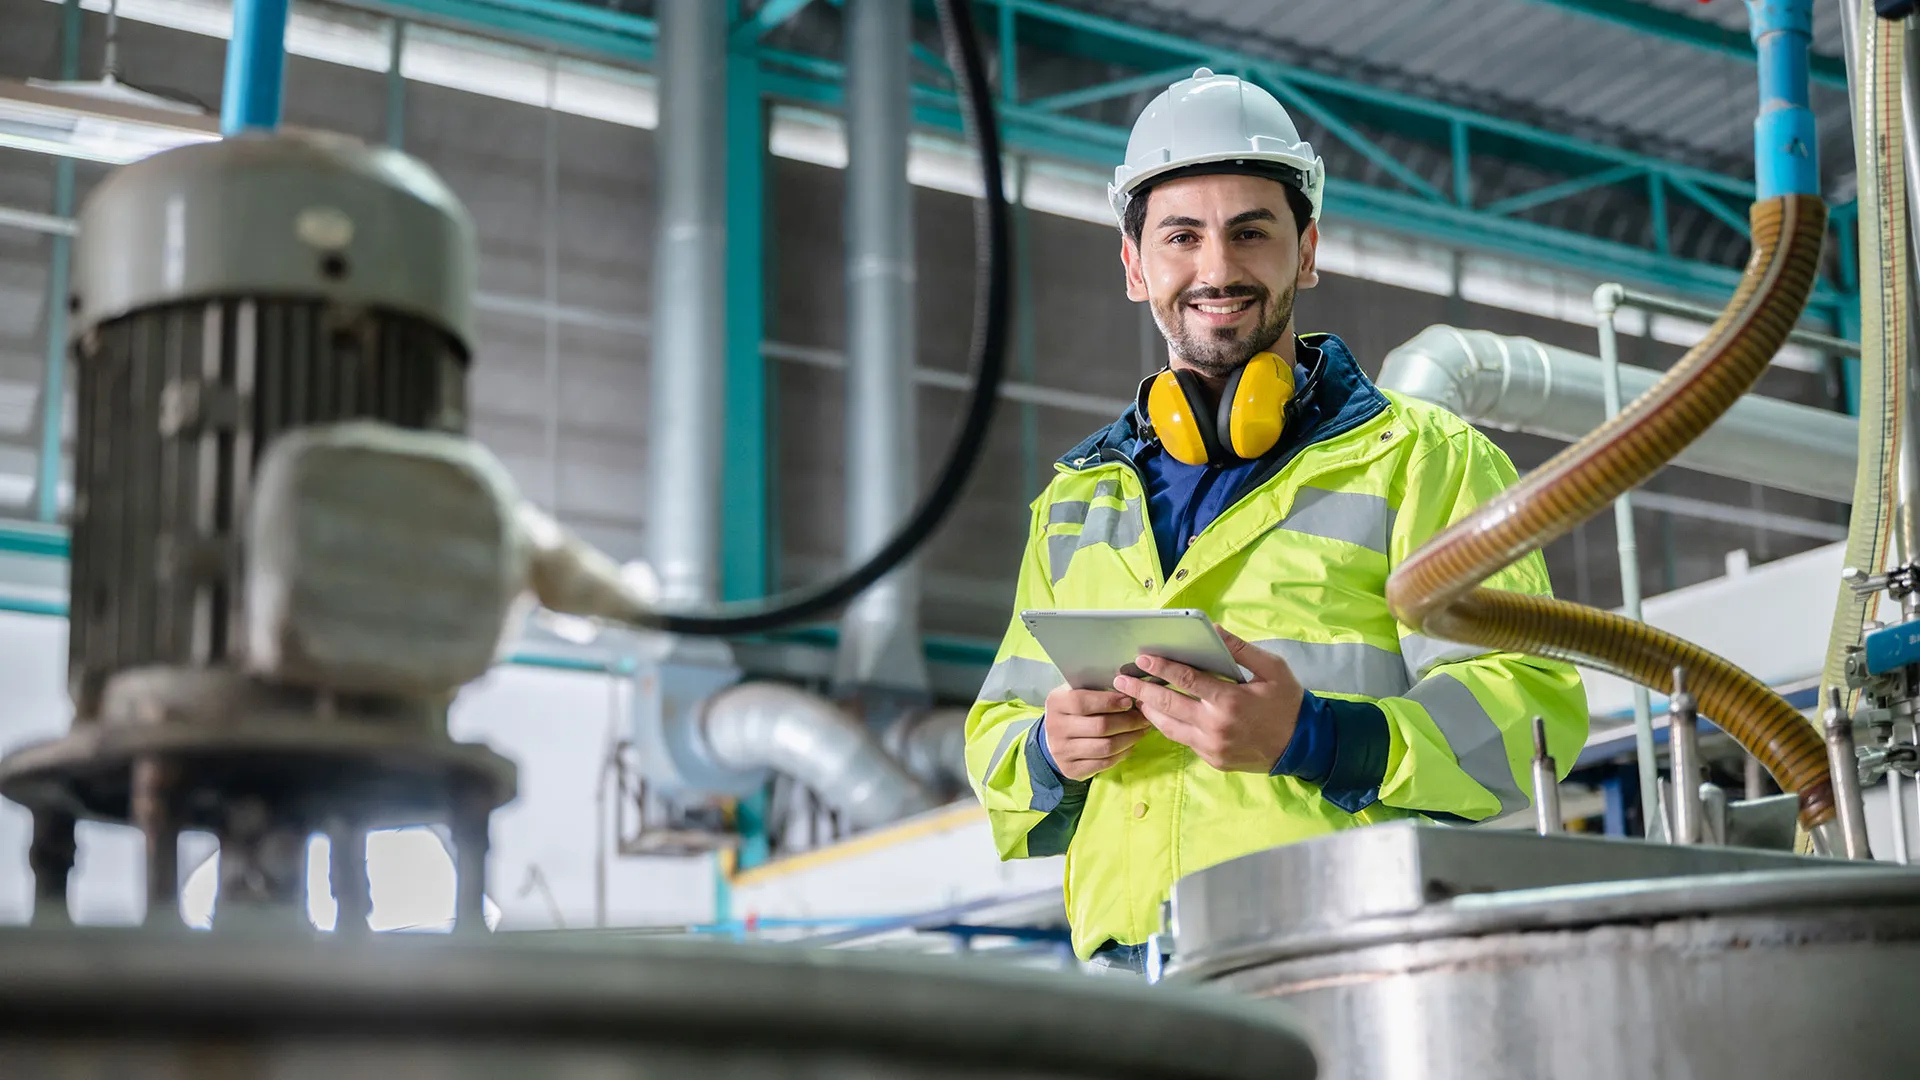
point(1220, 313)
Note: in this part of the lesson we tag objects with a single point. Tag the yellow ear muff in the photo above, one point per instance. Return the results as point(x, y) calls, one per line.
point(1176, 419)
point(1256, 416)
point(1248, 422)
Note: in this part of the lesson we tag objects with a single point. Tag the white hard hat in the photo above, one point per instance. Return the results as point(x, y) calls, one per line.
point(1214, 118)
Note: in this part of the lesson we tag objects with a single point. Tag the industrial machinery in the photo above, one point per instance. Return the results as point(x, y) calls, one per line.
point(131, 1005)
point(265, 637)
point(1416, 951)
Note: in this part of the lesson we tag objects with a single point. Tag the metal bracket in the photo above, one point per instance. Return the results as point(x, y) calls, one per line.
point(1886, 695)
point(1891, 648)
point(1898, 581)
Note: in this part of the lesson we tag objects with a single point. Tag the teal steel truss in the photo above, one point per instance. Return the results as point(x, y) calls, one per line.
point(1674, 26)
point(1405, 200)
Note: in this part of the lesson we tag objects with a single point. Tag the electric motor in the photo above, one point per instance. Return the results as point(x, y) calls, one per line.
point(225, 294)
point(286, 557)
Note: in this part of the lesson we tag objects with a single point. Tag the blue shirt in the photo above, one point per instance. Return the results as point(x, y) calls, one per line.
point(1182, 499)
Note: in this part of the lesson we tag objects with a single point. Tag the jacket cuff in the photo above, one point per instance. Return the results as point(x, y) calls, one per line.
point(1037, 740)
point(1060, 798)
point(1051, 791)
point(1341, 746)
point(1309, 753)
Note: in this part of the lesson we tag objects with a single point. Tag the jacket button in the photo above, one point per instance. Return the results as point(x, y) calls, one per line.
point(1179, 575)
point(1146, 583)
point(1139, 809)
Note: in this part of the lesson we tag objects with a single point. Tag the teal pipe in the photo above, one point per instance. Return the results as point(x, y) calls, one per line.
point(256, 67)
point(1786, 154)
point(53, 395)
point(16, 605)
point(746, 509)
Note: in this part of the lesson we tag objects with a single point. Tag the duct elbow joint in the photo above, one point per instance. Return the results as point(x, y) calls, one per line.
point(749, 728)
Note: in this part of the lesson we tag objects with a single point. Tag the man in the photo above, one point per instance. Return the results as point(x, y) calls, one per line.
point(1349, 718)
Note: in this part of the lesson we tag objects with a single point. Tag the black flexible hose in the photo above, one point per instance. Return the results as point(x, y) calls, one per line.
point(989, 351)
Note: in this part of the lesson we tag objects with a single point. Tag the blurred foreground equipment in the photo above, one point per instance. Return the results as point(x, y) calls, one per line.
point(271, 616)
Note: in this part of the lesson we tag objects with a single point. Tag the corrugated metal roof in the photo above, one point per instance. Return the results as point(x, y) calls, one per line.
point(1733, 16)
point(1530, 61)
point(1525, 59)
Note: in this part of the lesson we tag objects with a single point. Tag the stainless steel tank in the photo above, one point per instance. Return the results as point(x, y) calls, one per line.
point(93, 1004)
point(1422, 953)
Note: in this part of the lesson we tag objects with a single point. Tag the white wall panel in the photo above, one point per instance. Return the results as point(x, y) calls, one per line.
point(938, 860)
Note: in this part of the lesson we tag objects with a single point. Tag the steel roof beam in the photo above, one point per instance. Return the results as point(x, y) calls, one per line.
point(560, 23)
point(1352, 136)
point(1157, 49)
point(1541, 196)
point(1036, 131)
point(1686, 30)
point(1036, 128)
point(768, 16)
point(1087, 95)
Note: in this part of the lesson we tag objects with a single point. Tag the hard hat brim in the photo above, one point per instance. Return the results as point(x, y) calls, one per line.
point(1304, 174)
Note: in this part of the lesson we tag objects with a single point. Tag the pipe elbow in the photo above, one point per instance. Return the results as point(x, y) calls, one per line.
point(754, 726)
point(1436, 366)
point(932, 745)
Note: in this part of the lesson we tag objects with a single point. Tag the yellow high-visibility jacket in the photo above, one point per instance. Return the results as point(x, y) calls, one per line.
point(1298, 565)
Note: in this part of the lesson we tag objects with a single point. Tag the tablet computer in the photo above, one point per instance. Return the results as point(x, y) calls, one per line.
point(1091, 647)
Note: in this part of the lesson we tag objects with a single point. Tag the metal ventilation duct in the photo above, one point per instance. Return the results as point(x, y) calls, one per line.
point(1519, 384)
point(689, 337)
point(880, 633)
point(758, 726)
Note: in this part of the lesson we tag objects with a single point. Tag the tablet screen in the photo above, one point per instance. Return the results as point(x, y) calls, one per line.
point(1091, 647)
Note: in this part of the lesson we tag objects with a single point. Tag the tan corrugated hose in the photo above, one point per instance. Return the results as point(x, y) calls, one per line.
point(1879, 164)
point(1437, 590)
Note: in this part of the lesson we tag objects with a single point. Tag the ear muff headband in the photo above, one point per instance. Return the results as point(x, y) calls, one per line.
point(1223, 413)
point(1255, 405)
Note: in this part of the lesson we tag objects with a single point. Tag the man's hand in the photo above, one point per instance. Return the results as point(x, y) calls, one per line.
point(1088, 731)
point(1234, 727)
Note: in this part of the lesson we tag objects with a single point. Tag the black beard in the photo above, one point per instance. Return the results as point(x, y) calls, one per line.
point(1219, 353)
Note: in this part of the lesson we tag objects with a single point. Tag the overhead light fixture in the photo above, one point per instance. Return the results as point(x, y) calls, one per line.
point(106, 122)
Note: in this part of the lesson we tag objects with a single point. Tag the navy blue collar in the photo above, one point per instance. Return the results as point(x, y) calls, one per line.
point(1345, 399)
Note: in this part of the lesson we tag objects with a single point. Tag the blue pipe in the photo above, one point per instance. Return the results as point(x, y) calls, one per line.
point(1614, 816)
point(256, 66)
point(1786, 152)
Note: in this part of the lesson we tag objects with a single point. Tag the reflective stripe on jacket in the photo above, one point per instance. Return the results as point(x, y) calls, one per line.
point(1297, 566)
